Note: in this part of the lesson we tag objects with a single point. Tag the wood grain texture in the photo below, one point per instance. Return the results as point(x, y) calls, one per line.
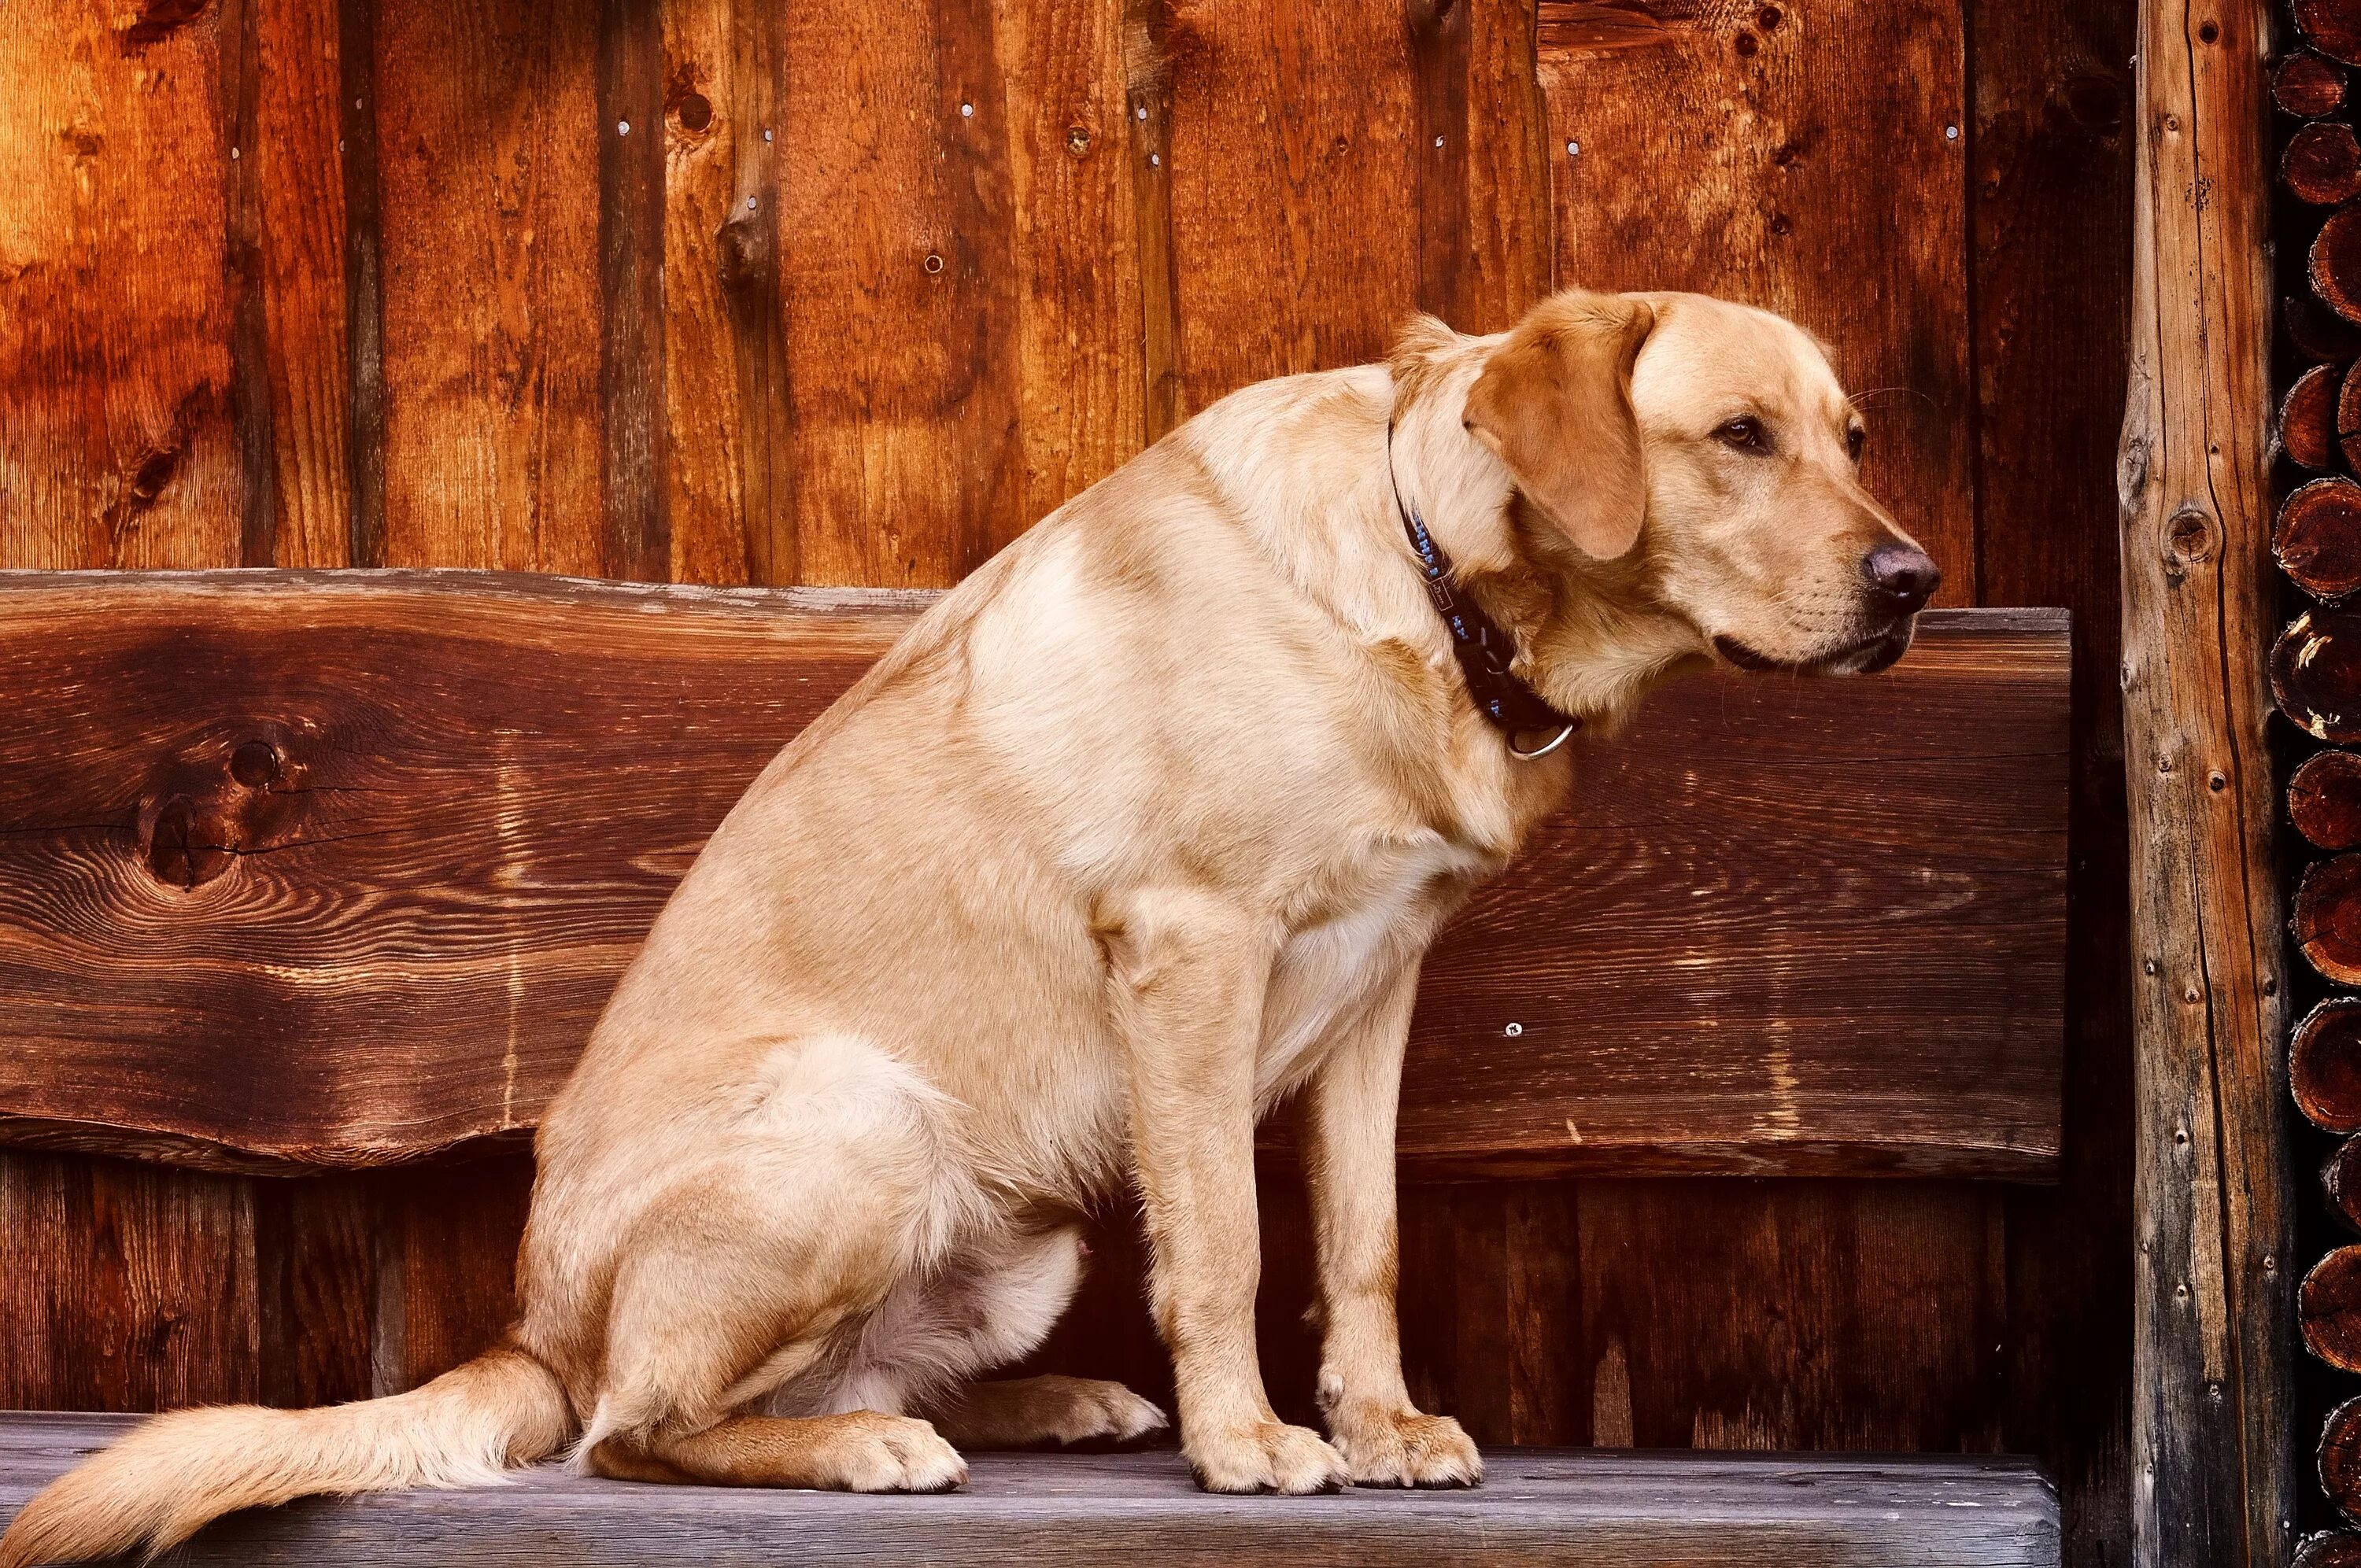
point(2328, 917)
point(1536, 1507)
point(898, 291)
point(2322, 165)
point(124, 1287)
point(348, 820)
point(116, 306)
point(2329, 1308)
point(298, 170)
point(487, 145)
point(2308, 85)
point(2307, 429)
point(2323, 797)
point(2324, 1065)
point(2317, 541)
point(2050, 226)
point(635, 540)
point(1295, 230)
point(2213, 1183)
point(1814, 175)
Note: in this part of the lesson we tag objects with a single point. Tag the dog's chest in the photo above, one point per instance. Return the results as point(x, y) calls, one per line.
point(1333, 973)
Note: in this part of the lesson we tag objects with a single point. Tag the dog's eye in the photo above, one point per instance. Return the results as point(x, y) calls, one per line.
point(1856, 443)
point(1746, 434)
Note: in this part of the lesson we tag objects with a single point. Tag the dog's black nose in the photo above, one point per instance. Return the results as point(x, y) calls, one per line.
point(1903, 575)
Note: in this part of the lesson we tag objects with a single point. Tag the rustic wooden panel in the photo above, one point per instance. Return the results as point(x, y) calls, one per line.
point(636, 543)
point(345, 822)
point(487, 146)
point(2049, 215)
point(444, 1280)
point(710, 134)
point(2211, 1354)
point(1888, 1335)
point(298, 171)
point(1537, 1507)
point(115, 310)
point(315, 1286)
point(899, 291)
point(124, 1287)
point(1295, 188)
point(1810, 157)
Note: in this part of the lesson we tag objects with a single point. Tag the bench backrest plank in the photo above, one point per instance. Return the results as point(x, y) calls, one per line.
point(337, 869)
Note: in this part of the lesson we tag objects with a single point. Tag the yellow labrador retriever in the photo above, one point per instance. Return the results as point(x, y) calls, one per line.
point(1142, 831)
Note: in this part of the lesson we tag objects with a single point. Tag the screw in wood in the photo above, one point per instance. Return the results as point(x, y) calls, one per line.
point(1574, 150)
point(1513, 1030)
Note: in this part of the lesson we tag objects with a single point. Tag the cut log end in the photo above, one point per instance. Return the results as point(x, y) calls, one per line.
point(2307, 417)
point(2329, 1305)
point(2339, 1181)
point(2330, 1548)
point(2324, 800)
point(2318, 538)
point(2316, 674)
point(2322, 165)
point(2314, 332)
point(2336, 263)
point(2332, 26)
point(2308, 86)
point(2339, 1462)
point(2324, 1065)
point(2328, 926)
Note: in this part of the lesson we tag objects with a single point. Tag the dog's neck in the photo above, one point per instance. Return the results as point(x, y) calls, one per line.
point(1594, 635)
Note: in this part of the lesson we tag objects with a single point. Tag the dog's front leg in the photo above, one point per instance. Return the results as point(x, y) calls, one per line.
point(1187, 973)
point(1347, 1117)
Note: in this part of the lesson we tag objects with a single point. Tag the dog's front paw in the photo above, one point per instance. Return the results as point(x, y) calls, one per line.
point(1267, 1456)
point(1403, 1448)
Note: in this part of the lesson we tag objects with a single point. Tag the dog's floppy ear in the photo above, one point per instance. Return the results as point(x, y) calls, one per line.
point(1554, 404)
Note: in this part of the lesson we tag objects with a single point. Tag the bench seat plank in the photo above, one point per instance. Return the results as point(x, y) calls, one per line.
point(1599, 1509)
point(336, 869)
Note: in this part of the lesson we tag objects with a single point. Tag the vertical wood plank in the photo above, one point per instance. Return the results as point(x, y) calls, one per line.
point(116, 318)
point(1794, 1314)
point(1483, 180)
point(899, 291)
point(239, 27)
point(711, 130)
point(299, 191)
point(630, 274)
point(488, 125)
point(1809, 159)
point(447, 1244)
point(124, 1287)
point(1081, 375)
point(1147, 78)
point(314, 1282)
point(356, 106)
point(2211, 1357)
point(1294, 188)
point(2049, 218)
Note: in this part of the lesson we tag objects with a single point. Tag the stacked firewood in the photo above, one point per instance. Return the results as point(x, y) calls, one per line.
point(2316, 669)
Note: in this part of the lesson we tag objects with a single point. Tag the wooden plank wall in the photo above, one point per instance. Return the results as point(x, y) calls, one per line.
point(869, 284)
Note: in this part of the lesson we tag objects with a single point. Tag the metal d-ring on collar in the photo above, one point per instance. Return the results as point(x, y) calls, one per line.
point(1483, 649)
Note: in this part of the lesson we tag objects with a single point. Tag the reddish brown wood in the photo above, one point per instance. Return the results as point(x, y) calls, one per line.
point(2329, 1308)
point(2340, 1459)
point(2332, 26)
point(2335, 263)
point(2308, 418)
point(2317, 539)
point(2307, 85)
point(2325, 799)
point(2322, 165)
point(2340, 1180)
point(2336, 1548)
point(294, 829)
point(2328, 917)
point(2316, 673)
point(2324, 1065)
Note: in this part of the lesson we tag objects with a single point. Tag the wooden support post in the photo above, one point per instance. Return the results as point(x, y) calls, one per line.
point(2212, 1481)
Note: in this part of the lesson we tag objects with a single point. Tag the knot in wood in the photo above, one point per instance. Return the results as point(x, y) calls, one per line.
point(2191, 538)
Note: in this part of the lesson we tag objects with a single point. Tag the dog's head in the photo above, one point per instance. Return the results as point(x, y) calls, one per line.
point(1711, 443)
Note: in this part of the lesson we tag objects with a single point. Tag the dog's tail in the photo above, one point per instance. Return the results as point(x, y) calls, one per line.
point(167, 1479)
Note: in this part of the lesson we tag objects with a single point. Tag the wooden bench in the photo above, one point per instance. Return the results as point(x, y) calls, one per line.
point(303, 870)
point(1594, 1508)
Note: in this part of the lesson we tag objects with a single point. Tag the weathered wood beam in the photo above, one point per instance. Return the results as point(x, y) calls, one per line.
point(339, 869)
point(2212, 1480)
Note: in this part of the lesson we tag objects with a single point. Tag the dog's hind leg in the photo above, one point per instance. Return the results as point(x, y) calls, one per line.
point(989, 1306)
point(749, 1269)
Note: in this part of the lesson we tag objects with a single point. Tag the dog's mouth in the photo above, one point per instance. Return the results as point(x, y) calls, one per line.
point(1872, 653)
